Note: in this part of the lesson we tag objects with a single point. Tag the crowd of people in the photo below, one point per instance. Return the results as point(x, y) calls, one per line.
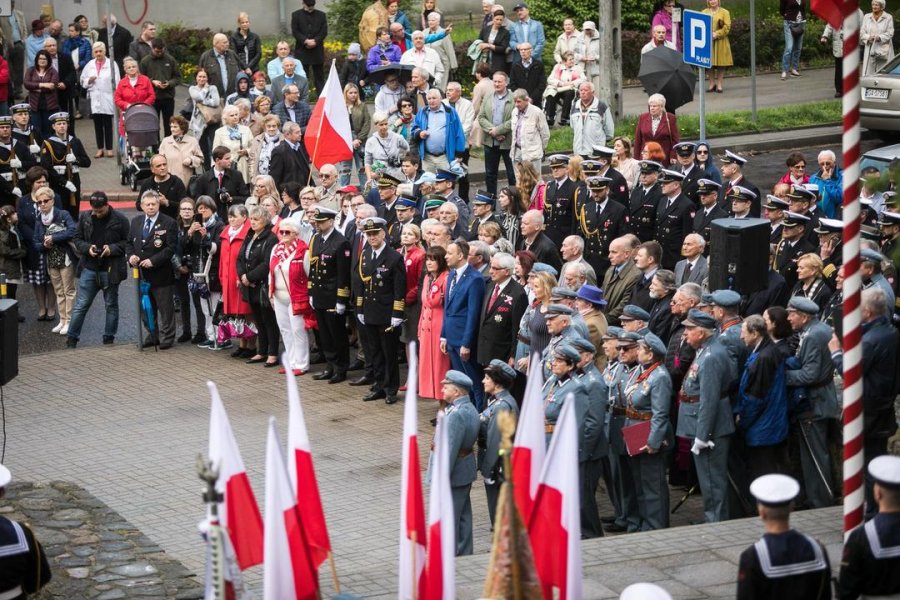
point(598, 276)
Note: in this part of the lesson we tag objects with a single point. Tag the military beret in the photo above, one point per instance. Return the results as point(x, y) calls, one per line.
point(566, 352)
point(387, 180)
point(5, 120)
point(885, 470)
point(889, 218)
point(792, 219)
point(500, 369)
point(563, 292)
point(634, 313)
point(558, 160)
point(591, 293)
point(374, 224)
point(445, 175)
point(483, 197)
point(669, 176)
point(829, 226)
point(804, 305)
point(591, 166)
point(726, 298)
point(801, 194)
point(775, 203)
point(684, 148)
point(59, 116)
point(774, 489)
point(612, 333)
point(655, 344)
point(5, 477)
point(650, 166)
point(426, 177)
point(598, 183)
point(555, 310)
point(698, 318)
point(741, 194)
point(869, 255)
point(583, 345)
point(540, 267)
point(604, 152)
point(458, 378)
point(629, 338)
point(707, 186)
point(22, 107)
point(320, 213)
point(732, 158)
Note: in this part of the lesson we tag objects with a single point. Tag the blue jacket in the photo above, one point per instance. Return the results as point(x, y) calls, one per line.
point(60, 238)
point(831, 191)
point(455, 138)
point(462, 309)
point(762, 396)
point(84, 49)
point(535, 35)
point(401, 18)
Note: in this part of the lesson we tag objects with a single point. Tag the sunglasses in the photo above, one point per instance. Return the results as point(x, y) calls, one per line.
point(42, 202)
point(286, 231)
point(702, 151)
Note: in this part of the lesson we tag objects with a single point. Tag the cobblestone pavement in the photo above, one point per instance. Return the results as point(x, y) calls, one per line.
point(127, 427)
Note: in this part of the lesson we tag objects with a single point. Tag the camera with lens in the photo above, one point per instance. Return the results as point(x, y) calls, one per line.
point(393, 162)
point(224, 198)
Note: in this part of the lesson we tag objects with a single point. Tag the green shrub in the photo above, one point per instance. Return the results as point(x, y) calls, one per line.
point(185, 44)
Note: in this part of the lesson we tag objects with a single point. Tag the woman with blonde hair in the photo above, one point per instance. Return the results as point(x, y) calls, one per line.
point(533, 333)
point(576, 173)
point(810, 281)
point(262, 187)
point(261, 146)
point(246, 45)
point(236, 138)
point(53, 229)
point(530, 185)
point(623, 162)
point(360, 127)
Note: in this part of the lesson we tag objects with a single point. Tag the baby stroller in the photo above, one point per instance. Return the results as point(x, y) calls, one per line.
point(139, 143)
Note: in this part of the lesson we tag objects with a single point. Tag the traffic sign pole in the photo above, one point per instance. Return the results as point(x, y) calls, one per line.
point(697, 51)
point(702, 78)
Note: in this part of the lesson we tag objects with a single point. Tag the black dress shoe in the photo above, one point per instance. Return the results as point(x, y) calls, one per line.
point(165, 346)
point(271, 365)
point(362, 381)
point(184, 337)
point(323, 375)
point(392, 399)
point(614, 528)
point(338, 378)
point(376, 395)
point(253, 361)
point(608, 520)
point(149, 343)
point(356, 365)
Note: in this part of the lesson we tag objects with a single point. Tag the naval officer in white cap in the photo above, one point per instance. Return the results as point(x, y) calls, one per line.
point(23, 564)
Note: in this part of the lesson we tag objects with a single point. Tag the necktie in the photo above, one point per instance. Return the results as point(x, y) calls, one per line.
point(687, 273)
point(219, 175)
point(147, 225)
point(493, 297)
point(451, 282)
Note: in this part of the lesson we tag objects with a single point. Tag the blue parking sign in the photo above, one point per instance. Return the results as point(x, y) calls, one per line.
point(697, 46)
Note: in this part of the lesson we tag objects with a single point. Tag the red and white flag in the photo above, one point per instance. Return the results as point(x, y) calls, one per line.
point(834, 11)
point(555, 524)
point(288, 573)
point(440, 579)
point(303, 477)
point(238, 511)
point(328, 137)
point(529, 446)
point(412, 504)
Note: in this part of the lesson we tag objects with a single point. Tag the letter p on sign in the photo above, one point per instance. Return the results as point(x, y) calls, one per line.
point(697, 46)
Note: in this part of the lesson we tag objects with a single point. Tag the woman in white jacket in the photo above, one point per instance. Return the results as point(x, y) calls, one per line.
point(98, 77)
point(235, 137)
point(876, 36)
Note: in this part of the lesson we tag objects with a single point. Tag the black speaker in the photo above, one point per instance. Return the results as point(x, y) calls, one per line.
point(739, 255)
point(9, 340)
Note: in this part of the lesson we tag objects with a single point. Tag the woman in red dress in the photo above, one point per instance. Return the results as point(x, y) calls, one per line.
point(413, 257)
point(233, 303)
point(433, 364)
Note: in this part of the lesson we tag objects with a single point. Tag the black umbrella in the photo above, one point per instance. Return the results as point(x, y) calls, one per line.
point(404, 72)
point(664, 72)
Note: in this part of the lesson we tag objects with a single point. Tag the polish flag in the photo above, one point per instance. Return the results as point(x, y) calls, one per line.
point(288, 573)
point(555, 524)
point(328, 137)
point(303, 477)
point(529, 446)
point(439, 582)
point(238, 511)
point(412, 505)
point(834, 11)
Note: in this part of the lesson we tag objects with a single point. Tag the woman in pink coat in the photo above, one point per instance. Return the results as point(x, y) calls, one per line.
point(233, 303)
point(433, 364)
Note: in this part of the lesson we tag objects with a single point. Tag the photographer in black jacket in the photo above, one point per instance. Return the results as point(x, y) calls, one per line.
point(223, 183)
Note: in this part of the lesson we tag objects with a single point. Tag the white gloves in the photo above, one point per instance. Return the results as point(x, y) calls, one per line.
point(340, 308)
point(17, 192)
point(34, 149)
point(15, 163)
point(361, 318)
point(70, 158)
point(395, 322)
point(311, 305)
point(701, 445)
point(71, 187)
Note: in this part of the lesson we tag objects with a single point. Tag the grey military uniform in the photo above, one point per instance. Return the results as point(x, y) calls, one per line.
point(555, 394)
point(628, 515)
point(810, 430)
point(462, 427)
point(547, 355)
point(649, 397)
point(705, 414)
point(489, 462)
point(596, 446)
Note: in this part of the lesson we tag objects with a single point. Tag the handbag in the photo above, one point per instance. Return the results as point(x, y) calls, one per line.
point(797, 28)
point(264, 301)
point(212, 115)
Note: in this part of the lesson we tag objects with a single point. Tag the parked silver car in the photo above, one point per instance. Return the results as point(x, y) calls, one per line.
point(879, 109)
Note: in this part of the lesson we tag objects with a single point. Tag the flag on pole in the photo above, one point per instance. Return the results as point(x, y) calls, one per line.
point(287, 571)
point(303, 477)
point(529, 445)
point(555, 524)
point(412, 505)
point(439, 582)
point(328, 136)
point(238, 511)
point(833, 11)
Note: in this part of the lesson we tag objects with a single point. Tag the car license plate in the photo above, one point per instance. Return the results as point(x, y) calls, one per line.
point(874, 94)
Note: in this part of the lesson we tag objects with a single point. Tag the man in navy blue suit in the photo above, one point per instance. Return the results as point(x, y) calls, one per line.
point(462, 309)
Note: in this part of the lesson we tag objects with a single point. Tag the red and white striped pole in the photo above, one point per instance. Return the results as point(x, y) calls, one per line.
point(852, 333)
